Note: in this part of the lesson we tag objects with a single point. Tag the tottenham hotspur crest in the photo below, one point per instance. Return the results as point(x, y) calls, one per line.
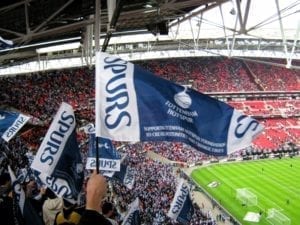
point(183, 99)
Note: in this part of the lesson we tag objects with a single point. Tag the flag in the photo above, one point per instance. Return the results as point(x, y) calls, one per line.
point(133, 104)
point(11, 123)
point(181, 209)
point(133, 215)
point(27, 210)
point(58, 162)
point(88, 129)
point(18, 190)
point(5, 43)
point(125, 176)
point(109, 159)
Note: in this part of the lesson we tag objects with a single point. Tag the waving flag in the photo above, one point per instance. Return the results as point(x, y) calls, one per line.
point(11, 123)
point(58, 161)
point(182, 209)
point(109, 159)
point(135, 105)
point(125, 176)
point(133, 215)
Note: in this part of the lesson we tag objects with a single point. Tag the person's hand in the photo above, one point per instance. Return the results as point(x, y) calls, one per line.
point(43, 190)
point(95, 191)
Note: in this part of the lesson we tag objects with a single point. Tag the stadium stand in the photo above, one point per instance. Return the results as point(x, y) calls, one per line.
point(40, 94)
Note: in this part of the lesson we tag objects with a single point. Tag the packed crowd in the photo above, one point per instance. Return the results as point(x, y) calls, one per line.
point(217, 74)
point(155, 185)
point(40, 95)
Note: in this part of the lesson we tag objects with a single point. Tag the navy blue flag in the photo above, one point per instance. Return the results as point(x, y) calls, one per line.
point(58, 162)
point(4, 43)
point(109, 159)
point(135, 105)
point(11, 123)
point(133, 215)
point(182, 209)
point(125, 176)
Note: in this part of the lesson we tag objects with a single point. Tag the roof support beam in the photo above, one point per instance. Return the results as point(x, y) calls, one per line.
point(243, 28)
point(52, 16)
point(26, 17)
point(12, 6)
point(97, 24)
point(112, 24)
point(289, 60)
point(196, 13)
point(57, 31)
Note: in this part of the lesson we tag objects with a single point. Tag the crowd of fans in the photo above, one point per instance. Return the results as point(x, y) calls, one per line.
point(40, 95)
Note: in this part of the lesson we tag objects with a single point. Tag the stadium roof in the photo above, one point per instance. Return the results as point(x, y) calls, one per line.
point(270, 27)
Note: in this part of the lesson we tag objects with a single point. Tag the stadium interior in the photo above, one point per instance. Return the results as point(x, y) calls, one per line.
point(251, 67)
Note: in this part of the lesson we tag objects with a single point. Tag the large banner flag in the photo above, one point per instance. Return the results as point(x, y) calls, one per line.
point(109, 160)
point(133, 215)
point(181, 209)
point(11, 123)
point(58, 162)
point(134, 105)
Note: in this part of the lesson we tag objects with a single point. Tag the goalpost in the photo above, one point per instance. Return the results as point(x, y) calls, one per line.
point(246, 197)
point(275, 217)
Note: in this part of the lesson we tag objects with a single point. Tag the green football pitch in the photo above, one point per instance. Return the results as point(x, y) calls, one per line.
point(275, 182)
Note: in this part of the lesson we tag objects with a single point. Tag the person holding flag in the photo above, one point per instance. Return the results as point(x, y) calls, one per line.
point(10, 211)
point(96, 191)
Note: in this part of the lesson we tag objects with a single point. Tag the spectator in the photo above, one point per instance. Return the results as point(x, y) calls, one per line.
point(108, 210)
point(96, 192)
point(51, 207)
point(70, 214)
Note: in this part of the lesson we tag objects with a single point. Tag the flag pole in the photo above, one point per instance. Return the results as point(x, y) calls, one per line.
point(97, 49)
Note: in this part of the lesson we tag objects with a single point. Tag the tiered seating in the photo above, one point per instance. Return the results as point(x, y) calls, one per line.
point(273, 78)
point(40, 94)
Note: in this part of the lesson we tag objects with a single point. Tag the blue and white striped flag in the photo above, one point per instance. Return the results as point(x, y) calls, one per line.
point(11, 123)
point(110, 159)
point(182, 209)
point(135, 105)
point(4, 43)
point(58, 162)
point(133, 215)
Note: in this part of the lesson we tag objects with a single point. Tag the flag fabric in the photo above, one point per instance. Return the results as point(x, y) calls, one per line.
point(58, 162)
point(88, 129)
point(4, 43)
point(133, 215)
point(125, 176)
point(133, 104)
point(109, 159)
point(18, 190)
point(11, 123)
point(181, 209)
point(27, 210)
